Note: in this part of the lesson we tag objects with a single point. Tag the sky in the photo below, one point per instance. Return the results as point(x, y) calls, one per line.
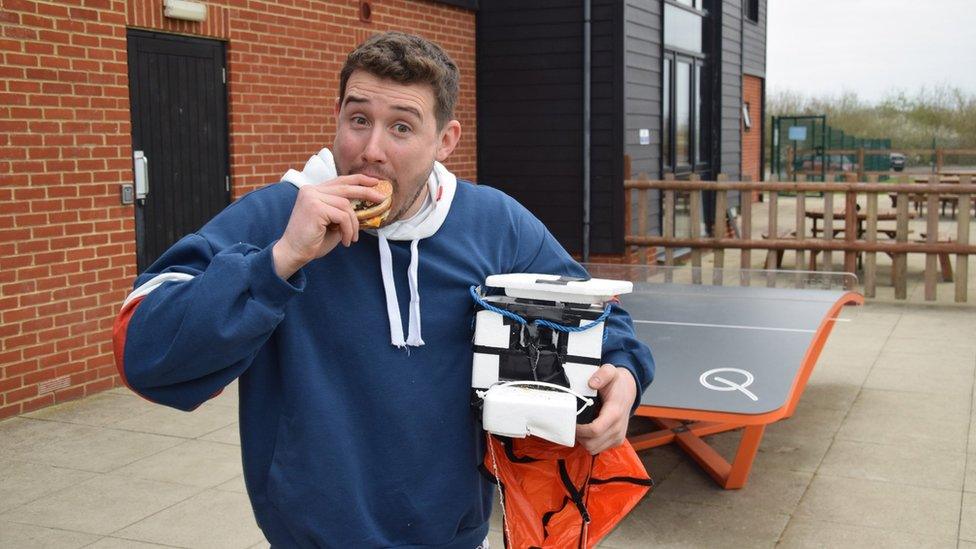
point(870, 47)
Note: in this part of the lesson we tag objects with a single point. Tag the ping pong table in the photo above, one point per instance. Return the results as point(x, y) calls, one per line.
point(727, 357)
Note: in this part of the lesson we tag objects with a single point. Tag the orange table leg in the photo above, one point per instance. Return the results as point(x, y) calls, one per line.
point(730, 476)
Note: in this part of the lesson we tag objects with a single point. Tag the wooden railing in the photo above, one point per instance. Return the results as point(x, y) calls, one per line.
point(860, 234)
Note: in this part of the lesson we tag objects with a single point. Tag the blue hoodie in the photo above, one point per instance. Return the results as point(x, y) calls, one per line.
point(347, 440)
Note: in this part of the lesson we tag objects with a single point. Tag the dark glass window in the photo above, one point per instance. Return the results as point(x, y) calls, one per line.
point(682, 114)
point(699, 115)
point(666, 116)
point(684, 117)
point(752, 10)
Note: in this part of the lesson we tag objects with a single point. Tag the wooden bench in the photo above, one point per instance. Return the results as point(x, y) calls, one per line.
point(774, 258)
point(944, 264)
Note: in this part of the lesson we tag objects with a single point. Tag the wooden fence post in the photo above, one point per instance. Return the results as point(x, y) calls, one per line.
point(642, 215)
point(962, 237)
point(668, 231)
point(771, 230)
point(801, 225)
point(718, 231)
point(900, 261)
point(745, 256)
point(870, 260)
point(695, 204)
point(931, 237)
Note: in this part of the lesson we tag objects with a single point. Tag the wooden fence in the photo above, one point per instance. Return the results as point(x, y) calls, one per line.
point(860, 231)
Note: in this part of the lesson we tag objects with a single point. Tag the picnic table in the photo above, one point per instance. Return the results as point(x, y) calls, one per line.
point(727, 357)
point(884, 214)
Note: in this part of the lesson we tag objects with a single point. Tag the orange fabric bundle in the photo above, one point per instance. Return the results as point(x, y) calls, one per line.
point(560, 497)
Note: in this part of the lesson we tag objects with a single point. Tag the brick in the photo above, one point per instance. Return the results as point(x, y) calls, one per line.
point(38, 403)
point(11, 383)
point(13, 409)
point(103, 384)
point(22, 393)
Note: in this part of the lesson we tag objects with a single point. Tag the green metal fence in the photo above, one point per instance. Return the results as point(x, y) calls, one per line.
point(806, 145)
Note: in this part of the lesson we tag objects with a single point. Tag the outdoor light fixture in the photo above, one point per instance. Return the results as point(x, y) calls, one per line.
point(184, 9)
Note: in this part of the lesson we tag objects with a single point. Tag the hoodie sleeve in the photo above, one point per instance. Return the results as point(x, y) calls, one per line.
point(197, 318)
point(539, 252)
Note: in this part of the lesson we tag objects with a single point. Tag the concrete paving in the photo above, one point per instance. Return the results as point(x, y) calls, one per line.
point(880, 452)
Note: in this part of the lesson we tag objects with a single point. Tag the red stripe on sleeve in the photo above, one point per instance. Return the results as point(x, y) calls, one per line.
point(119, 331)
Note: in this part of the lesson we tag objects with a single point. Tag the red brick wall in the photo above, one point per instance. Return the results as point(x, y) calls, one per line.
point(67, 251)
point(752, 139)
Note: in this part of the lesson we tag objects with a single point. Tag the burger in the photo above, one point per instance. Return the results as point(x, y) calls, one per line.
point(371, 214)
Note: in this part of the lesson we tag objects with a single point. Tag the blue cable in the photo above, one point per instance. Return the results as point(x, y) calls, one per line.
point(540, 322)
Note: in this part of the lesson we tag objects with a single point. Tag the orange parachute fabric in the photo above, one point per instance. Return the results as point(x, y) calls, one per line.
point(560, 497)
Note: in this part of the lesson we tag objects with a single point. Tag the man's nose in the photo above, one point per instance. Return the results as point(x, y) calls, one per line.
point(373, 151)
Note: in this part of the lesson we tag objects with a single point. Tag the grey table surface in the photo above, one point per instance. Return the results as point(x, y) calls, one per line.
point(725, 348)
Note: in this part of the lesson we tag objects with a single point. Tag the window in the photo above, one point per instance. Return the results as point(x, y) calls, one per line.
point(684, 143)
point(666, 115)
point(682, 114)
point(682, 29)
point(752, 10)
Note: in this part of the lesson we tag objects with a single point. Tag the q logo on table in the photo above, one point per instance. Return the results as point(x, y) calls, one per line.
point(717, 375)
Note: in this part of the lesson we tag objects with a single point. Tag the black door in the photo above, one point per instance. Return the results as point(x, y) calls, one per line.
point(178, 101)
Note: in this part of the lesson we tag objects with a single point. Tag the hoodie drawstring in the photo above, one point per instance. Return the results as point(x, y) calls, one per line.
point(392, 305)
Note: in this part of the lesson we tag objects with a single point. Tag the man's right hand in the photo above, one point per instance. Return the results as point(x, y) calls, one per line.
point(322, 217)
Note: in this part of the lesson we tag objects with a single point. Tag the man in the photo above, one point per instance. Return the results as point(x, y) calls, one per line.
point(352, 434)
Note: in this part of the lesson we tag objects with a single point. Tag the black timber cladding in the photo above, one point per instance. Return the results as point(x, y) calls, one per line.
point(754, 44)
point(529, 90)
point(529, 104)
point(730, 89)
point(642, 95)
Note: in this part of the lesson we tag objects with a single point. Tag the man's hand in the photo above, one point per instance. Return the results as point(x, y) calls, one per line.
point(322, 217)
point(617, 389)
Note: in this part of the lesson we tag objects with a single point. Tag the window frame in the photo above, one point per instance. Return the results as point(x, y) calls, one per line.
point(700, 161)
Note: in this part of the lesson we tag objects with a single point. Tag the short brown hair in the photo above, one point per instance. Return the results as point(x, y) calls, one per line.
point(407, 59)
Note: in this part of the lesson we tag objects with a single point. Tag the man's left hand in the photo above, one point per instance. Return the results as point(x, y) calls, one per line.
point(617, 389)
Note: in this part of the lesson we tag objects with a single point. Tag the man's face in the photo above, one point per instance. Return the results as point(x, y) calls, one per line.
point(389, 131)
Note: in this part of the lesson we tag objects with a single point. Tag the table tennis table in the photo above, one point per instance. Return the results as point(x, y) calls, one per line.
point(727, 357)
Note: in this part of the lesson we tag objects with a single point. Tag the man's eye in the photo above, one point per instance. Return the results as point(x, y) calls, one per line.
point(402, 128)
point(359, 120)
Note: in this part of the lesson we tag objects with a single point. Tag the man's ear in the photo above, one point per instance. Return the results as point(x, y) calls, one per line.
point(449, 138)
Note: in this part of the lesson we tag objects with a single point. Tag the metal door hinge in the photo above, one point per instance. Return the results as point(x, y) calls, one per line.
point(223, 74)
point(227, 183)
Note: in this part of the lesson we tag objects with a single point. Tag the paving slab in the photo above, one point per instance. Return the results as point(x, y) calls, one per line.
point(98, 450)
point(211, 519)
point(806, 533)
point(192, 462)
point(904, 464)
point(920, 378)
point(903, 429)
point(161, 420)
point(235, 484)
point(951, 407)
point(967, 526)
point(970, 485)
point(119, 543)
point(230, 434)
point(769, 489)
point(99, 410)
point(17, 535)
point(657, 522)
point(101, 505)
point(884, 505)
point(23, 482)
